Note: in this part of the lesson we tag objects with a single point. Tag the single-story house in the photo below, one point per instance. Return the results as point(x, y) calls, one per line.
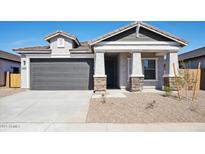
point(132, 57)
point(191, 59)
point(8, 63)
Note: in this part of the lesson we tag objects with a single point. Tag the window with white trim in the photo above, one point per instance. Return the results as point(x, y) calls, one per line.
point(149, 69)
point(60, 43)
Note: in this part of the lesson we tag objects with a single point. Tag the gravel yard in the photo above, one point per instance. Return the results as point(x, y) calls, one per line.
point(9, 91)
point(146, 108)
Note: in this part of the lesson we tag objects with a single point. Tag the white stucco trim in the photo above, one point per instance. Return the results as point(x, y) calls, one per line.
point(99, 64)
point(148, 48)
point(99, 76)
point(80, 51)
point(171, 58)
point(138, 43)
point(136, 65)
point(60, 55)
point(25, 72)
point(82, 56)
point(28, 72)
point(50, 56)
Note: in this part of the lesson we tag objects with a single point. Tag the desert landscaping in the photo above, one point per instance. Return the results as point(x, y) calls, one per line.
point(146, 108)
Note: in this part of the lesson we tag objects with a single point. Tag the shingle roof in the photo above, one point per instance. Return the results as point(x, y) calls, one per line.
point(135, 24)
point(86, 46)
point(33, 48)
point(9, 56)
point(74, 38)
point(46, 49)
point(83, 47)
point(193, 54)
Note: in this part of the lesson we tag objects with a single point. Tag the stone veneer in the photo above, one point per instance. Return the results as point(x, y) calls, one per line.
point(170, 82)
point(136, 83)
point(100, 84)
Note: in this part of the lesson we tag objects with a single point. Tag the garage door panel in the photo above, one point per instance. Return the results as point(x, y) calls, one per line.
point(50, 80)
point(58, 87)
point(61, 74)
point(61, 71)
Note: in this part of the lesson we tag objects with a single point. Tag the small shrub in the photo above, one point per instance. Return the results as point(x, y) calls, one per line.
point(168, 90)
point(103, 98)
point(150, 105)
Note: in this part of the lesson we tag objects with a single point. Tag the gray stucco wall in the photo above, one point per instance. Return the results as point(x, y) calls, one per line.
point(124, 74)
point(6, 66)
point(123, 70)
point(62, 50)
point(160, 72)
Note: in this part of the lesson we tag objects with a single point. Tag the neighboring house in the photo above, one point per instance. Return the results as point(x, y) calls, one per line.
point(8, 63)
point(131, 57)
point(191, 60)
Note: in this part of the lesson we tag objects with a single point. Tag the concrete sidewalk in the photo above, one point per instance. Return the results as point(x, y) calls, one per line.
point(101, 127)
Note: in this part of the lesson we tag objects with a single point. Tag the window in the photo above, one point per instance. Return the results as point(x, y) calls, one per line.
point(149, 69)
point(60, 43)
point(15, 70)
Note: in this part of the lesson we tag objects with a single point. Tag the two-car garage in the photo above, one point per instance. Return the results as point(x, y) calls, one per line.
point(61, 73)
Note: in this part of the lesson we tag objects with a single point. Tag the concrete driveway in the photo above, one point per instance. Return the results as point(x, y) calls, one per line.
point(45, 107)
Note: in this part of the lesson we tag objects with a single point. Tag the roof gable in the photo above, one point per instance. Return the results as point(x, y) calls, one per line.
point(143, 35)
point(145, 31)
point(61, 33)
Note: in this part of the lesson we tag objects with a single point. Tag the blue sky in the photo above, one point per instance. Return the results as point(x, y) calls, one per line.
point(21, 34)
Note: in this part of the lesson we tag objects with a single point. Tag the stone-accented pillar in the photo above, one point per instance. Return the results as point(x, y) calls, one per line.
point(169, 76)
point(136, 83)
point(137, 77)
point(100, 79)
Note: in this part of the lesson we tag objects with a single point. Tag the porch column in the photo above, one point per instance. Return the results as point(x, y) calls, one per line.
point(137, 77)
point(99, 76)
point(169, 77)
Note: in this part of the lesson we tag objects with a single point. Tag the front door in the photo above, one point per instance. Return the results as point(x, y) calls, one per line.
point(111, 71)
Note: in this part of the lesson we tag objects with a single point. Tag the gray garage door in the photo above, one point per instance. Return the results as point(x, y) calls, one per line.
point(61, 74)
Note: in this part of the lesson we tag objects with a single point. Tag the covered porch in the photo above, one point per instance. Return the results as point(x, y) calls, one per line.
point(134, 70)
